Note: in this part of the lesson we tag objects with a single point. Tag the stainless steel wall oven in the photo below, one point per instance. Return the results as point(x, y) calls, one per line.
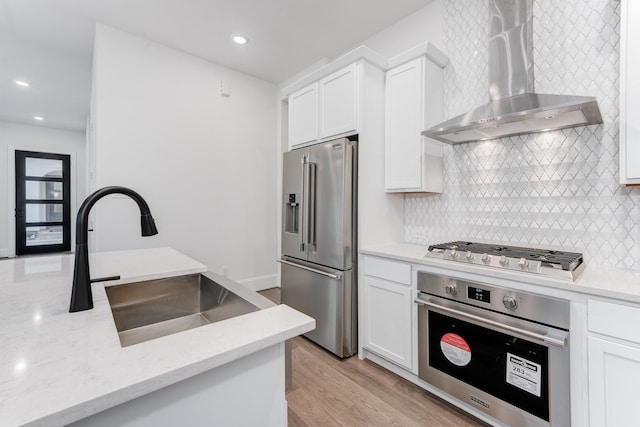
point(504, 352)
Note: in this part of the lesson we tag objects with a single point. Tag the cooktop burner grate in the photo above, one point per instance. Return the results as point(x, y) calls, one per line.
point(531, 260)
point(567, 260)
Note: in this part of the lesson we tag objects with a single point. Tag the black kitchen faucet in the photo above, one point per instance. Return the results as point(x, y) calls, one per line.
point(81, 297)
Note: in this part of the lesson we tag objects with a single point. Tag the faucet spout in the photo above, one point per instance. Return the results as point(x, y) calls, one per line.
point(81, 296)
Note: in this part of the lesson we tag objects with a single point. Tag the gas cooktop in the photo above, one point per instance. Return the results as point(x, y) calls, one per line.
point(529, 260)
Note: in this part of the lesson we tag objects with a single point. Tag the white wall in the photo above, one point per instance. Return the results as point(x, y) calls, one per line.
point(427, 24)
point(35, 138)
point(204, 163)
point(424, 25)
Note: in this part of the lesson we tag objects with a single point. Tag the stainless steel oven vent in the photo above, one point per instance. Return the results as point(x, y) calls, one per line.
point(514, 107)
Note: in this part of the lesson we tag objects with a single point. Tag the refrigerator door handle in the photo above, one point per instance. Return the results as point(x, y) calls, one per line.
point(305, 203)
point(311, 223)
point(304, 267)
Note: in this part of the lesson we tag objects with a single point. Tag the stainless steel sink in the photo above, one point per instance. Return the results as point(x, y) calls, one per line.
point(146, 310)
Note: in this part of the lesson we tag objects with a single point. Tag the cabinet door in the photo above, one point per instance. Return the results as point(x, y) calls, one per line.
point(614, 375)
point(404, 106)
point(629, 92)
point(338, 102)
point(303, 115)
point(387, 319)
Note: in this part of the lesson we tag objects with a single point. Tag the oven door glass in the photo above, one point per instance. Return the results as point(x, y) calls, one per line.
point(508, 367)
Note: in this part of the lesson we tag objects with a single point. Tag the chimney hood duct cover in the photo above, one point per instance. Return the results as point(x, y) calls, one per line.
point(514, 108)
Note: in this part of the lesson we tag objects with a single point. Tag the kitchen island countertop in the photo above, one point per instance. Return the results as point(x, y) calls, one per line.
point(595, 280)
point(57, 367)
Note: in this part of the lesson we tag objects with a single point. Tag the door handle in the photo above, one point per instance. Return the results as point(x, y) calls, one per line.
point(309, 205)
point(311, 223)
point(305, 203)
point(324, 273)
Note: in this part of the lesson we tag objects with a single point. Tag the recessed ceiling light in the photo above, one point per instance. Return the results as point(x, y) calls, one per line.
point(240, 39)
point(38, 118)
point(22, 83)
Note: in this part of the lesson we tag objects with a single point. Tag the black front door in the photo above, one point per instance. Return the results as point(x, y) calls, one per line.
point(43, 203)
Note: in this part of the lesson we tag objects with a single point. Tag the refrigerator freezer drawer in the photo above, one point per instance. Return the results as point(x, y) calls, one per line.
point(331, 301)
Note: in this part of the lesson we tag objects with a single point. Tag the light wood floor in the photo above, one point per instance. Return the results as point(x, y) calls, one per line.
point(329, 391)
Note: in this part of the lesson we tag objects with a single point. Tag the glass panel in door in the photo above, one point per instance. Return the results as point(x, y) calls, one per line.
point(43, 190)
point(43, 167)
point(45, 235)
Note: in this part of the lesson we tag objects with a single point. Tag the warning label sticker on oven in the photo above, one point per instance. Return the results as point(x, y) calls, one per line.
point(455, 349)
point(524, 374)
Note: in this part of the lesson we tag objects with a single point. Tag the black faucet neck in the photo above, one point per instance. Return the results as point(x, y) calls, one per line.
point(81, 297)
point(83, 213)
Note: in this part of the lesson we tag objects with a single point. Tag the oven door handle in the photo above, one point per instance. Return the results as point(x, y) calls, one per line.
point(557, 341)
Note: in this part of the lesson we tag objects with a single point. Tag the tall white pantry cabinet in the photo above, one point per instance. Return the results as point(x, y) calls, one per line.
point(387, 103)
point(342, 99)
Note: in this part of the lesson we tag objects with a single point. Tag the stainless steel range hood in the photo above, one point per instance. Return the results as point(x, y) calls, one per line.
point(514, 108)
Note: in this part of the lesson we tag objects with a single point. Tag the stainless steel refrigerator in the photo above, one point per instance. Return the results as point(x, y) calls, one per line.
point(318, 275)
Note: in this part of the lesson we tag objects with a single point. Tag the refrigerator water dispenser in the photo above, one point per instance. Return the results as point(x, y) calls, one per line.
point(291, 215)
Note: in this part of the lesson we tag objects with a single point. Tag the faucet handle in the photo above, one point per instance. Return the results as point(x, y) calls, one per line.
point(105, 279)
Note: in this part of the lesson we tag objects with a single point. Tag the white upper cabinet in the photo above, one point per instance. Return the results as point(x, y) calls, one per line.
point(629, 92)
point(413, 102)
point(303, 115)
point(403, 104)
point(324, 109)
point(338, 95)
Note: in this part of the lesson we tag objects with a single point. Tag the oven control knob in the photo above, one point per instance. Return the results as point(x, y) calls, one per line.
point(510, 302)
point(486, 258)
point(451, 289)
point(454, 254)
point(504, 261)
point(523, 263)
point(469, 256)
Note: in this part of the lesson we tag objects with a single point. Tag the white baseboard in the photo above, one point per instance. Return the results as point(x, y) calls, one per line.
point(261, 282)
point(4, 252)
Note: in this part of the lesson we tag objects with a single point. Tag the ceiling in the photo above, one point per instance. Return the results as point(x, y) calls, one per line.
point(49, 42)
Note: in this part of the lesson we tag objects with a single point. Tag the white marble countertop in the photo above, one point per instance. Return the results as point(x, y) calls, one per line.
point(57, 367)
point(596, 280)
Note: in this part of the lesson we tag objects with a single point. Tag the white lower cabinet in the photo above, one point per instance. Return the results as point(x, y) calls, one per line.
point(388, 308)
point(614, 363)
point(614, 376)
point(388, 320)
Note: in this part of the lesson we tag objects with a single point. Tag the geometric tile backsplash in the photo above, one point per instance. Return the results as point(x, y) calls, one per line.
point(553, 189)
